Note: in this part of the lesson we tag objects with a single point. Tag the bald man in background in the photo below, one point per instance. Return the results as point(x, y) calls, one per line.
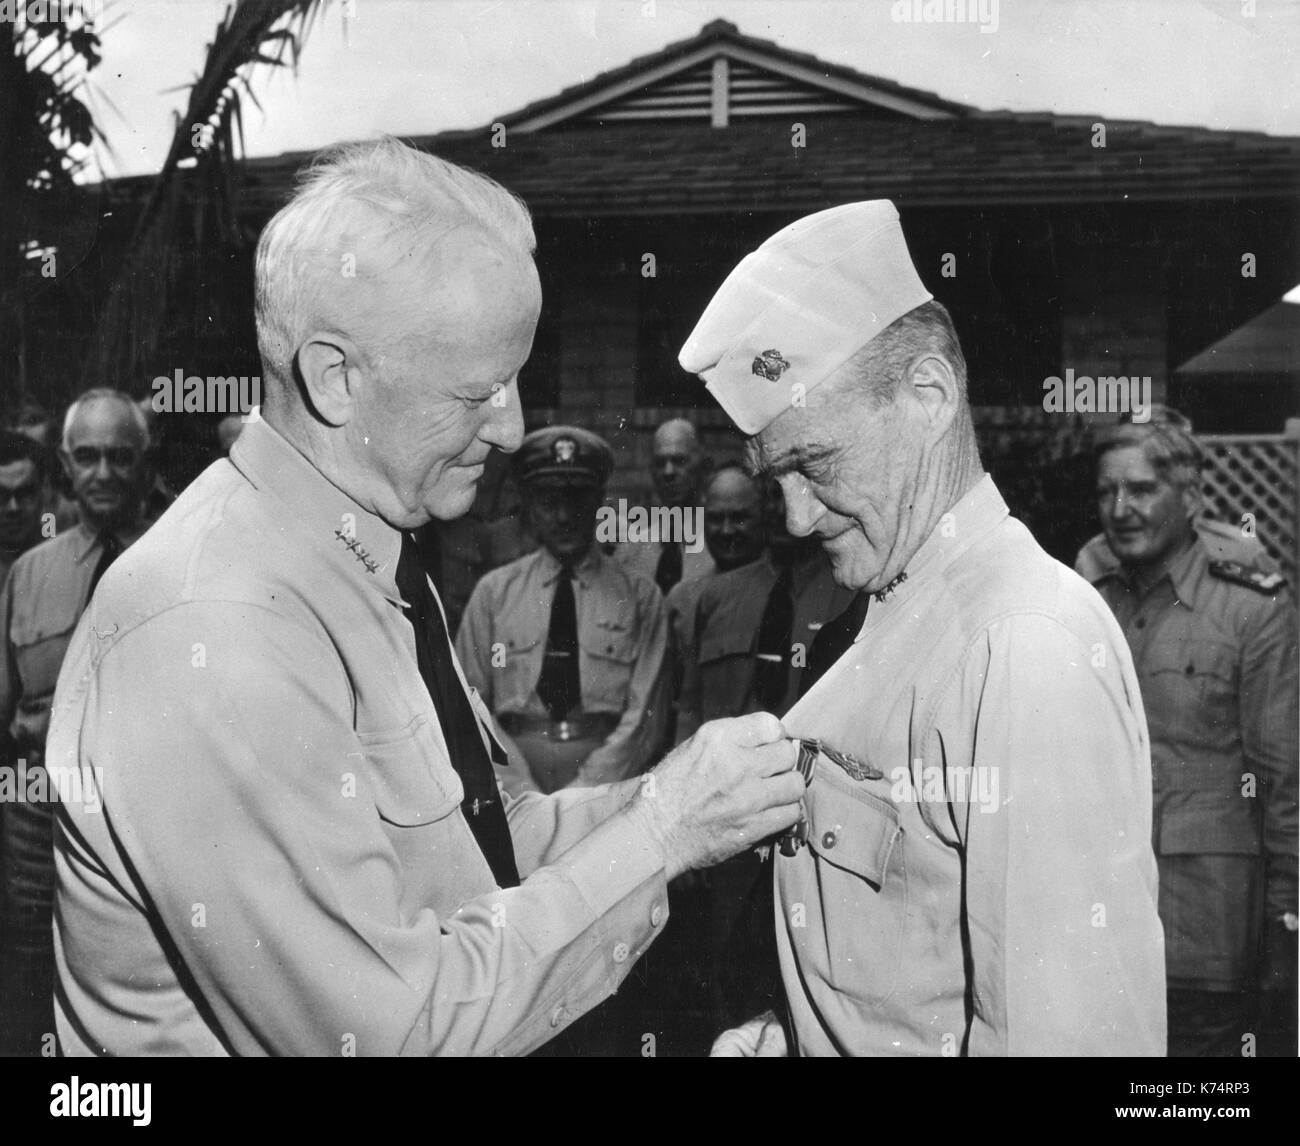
point(677, 466)
point(105, 454)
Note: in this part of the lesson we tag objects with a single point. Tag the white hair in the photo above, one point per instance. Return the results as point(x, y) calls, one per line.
point(356, 201)
point(108, 394)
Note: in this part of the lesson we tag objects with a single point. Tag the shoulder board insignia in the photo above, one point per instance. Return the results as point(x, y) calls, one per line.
point(1240, 574)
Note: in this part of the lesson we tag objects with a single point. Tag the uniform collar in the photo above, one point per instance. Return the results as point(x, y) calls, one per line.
point(363, 543)
point(1185, 574)
point(584, 570)
point(978, 512)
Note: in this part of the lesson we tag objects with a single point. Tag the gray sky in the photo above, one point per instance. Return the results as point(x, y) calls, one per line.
point(421, 66)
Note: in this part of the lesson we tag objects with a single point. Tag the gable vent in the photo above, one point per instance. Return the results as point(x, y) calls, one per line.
point(718, 90)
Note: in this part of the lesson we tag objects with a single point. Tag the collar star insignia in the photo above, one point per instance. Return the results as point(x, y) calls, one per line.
point(883, 595)
point(357, 551)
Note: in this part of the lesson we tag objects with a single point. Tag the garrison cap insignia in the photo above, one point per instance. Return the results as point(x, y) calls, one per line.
point(770, 365)
point(566, 449)
point(1240, 574)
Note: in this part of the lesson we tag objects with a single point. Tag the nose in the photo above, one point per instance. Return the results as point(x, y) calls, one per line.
point(102, 469)
point(504, 427)
point(802, 509)
point(1118, 506)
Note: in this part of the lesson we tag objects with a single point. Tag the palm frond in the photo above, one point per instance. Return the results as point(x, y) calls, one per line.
point(201, 168)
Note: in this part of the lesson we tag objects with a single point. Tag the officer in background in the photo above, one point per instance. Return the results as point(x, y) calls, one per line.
point(566, 646)
point(753, 627)
point(106, 457)
point(746, 636)
point(1212, 631)
point(677, 465)
point(733, 535)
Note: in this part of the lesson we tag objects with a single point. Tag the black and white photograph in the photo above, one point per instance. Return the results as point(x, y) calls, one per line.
point(641, 529)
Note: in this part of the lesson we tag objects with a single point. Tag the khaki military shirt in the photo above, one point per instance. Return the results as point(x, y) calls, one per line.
point(992, 891)
point(41, 601)
point(642, 557)
point(622, 650)
point(1216, 660)
point(720, 636)
point(281, 864)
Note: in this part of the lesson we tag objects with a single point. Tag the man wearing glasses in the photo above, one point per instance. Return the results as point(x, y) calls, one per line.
point(105, 455)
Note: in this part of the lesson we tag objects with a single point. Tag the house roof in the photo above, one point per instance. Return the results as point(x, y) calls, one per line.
point(1268, 344)
point(707, 124)
point(805, 74)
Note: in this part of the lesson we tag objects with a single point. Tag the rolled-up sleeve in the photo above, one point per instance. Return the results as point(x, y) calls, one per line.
point(238, 796)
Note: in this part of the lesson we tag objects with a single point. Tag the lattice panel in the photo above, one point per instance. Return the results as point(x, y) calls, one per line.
point(1259, 475)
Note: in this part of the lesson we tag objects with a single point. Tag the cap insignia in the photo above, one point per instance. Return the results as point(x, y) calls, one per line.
point(770, 365)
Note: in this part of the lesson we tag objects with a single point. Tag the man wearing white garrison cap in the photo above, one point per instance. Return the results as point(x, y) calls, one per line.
point(974, 873)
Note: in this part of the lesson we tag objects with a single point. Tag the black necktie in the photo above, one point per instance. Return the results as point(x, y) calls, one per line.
point(669, 570)
point(460, 727)
point(560, 686)
point(112, 550)
point(775, 631)
point(834, 640)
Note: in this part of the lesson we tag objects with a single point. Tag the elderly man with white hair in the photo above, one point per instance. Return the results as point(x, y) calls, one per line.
point(974, 873)
point(303, 847)
point(105, 453)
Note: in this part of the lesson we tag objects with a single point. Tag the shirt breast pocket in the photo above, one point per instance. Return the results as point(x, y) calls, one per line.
point(1196, 679)
point(856, 837)
point(411, 777)
point(40, 643)
point(609, 650)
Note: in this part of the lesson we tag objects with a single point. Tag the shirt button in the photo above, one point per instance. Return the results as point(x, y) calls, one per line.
point(620, 952)
point(656, 915)
point(557, 1015)
point(828, 840)
point(1140, 623)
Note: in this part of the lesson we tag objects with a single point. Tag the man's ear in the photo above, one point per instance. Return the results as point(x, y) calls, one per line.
point(936, 388)
point(65, 460)
point(328, 364)
point(1193, 501)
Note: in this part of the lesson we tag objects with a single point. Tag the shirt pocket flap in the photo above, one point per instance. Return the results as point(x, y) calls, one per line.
point(1198, 829)
point(1194, 659)
point(726, 642)
point(411, 777)
point(522, 643)
point(611, 644)
point(853, 829)
point(56, 616)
